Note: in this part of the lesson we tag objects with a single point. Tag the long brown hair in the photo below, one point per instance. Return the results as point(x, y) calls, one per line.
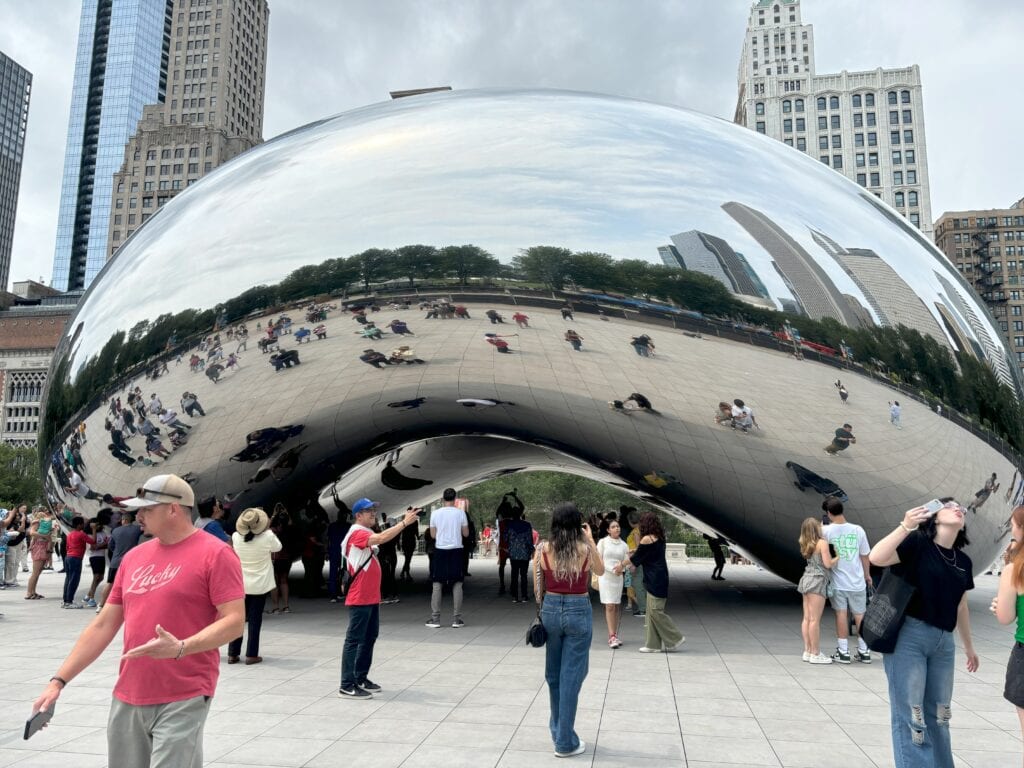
point(810, 534)
point(1018, 559)
point(567, 544)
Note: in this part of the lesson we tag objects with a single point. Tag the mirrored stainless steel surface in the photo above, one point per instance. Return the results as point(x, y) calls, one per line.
point(506, 171)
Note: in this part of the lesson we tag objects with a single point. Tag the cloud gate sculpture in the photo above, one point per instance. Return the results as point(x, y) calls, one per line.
point(304, 415)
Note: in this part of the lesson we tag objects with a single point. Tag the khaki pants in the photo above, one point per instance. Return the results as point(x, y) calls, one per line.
point(659, 629)
point(158, 735)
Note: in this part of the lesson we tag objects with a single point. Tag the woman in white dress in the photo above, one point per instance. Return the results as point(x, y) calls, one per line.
point(613, 550)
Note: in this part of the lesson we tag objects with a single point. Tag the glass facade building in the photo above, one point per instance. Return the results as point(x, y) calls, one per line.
point(120, 66)
point(15, 90)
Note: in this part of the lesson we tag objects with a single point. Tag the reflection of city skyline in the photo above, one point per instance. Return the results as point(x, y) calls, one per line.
point(710, 255)
point(993, 352)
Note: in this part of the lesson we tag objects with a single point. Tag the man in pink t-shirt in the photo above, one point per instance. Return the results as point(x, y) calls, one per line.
point(180, 597)
point(363, 595)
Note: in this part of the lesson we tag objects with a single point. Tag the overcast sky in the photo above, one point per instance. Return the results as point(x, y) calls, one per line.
point(328, 56)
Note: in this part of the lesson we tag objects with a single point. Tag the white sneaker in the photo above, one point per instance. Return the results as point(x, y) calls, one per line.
point(645, 649)
point(807, 656)
point(578, 751)
point(676, 647)
point(819, 658)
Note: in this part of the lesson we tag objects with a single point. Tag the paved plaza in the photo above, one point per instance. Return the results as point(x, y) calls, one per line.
point(737, 695)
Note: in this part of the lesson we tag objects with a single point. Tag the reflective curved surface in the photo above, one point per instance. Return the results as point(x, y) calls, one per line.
point(318, 421)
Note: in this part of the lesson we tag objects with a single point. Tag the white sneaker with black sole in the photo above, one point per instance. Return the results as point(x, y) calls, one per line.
point(433, 624)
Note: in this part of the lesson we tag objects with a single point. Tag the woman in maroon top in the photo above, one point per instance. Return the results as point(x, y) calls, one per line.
point(562, 568)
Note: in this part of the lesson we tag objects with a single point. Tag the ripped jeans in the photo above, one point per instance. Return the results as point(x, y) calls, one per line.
point(920, 674)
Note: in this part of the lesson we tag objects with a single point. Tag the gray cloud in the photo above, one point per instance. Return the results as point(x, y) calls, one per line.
point(326, 57)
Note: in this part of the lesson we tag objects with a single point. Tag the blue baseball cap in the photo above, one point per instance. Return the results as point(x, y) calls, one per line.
point(362, 505)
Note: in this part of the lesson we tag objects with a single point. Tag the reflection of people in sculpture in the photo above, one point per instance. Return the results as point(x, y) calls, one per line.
point(843, 439)
point(498, 342)
point(284, 359)
point(521, 320)
point(461, 311)
point(743, 416)
point(374, 358)
point(724, 413)
point(190, 404)
point(320, 331)
point(400, 327)
point(494, 317)
point(404, 354)
point(575, 339)
point(154, 446)
point(302, 335)
point(991, 486)
point(213, 372)
point(566, 311)
point(643, 345)
point(371, 331)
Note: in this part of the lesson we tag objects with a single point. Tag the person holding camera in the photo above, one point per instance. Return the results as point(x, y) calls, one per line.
point(928, 545)
point(363, 595)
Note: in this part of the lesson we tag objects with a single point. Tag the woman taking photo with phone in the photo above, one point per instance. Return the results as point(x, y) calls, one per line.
point(562, 566)
point(929, 549)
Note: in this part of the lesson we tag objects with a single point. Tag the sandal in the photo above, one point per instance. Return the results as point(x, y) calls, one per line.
point(286, 609)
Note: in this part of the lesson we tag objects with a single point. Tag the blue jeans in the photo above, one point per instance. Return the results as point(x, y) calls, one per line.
point(357, 654)
point(920, 673)
point(254, 605)
point(72, 575)
point(569, 622)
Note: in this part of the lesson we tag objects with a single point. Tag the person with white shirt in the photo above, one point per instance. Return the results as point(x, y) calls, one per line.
point(742, 416)
point(448, 526)
point(894, 414)
point(253, 542)
point(850, 576)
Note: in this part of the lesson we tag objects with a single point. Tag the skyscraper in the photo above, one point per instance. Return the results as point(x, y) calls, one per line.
point(867, 125)
point(995, 353)
point(15, 91)
point(120, 66)
point(713, 256)
point(889, 295)
point(213, 110)
point(810, 284)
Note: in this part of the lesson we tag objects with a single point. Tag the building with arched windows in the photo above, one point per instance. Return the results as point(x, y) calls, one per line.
point(867, 125)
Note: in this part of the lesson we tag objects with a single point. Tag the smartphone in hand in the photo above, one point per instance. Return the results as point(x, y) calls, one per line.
point(933, 507)
point(37, 721)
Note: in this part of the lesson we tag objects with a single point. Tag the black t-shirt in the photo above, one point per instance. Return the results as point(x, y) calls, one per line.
point(652, 558)
point(941, 576)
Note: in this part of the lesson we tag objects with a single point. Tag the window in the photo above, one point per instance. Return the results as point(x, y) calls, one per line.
point(798, 105)
point(894, 137)
point(871, 119)
point(133, 202)
point(801, 124)
point(760, 126)
point(912, 199)
point(787, 106)
point(835, 122)
point(165, 154)
point(1018, 325)
point(899, 199)
point(1016, 312)
point(822, 104)
point(892, 97)
point(858, 139)
point(897, 157)
point(165, 169)
point(823, 158)
point(908, 157)
point(869, 99)
point(858, 119)
point(862, 179)
point(905, 97)
point(915, 219)
point(759, 108)
point(117, 218)
point(119, 203)
point(856, 101)
point(875, 180)
point(911, 177)
point(859, 159)
point(833, 102)
point(801, 143)
point(872, 139)
point(822, 123)
point(179, 152)
point(873, 160)
point(151, 154)
point(787, 125)
point(147, 202)
point(150, 170)
point(897, 178)
point(837, 141)
point(147, 186)
point(789, 143)
point(908, 137)
point(837, 161)
point(823, 142)
point(193, 167)
point(894, 117)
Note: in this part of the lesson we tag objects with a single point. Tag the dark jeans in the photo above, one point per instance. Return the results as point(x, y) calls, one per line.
point(407, 554)
point(519, 591)
point(254, 605)
point(334, 570)
point(357, 653)
point(388, 566)
point(191, 409)
point(72, 575)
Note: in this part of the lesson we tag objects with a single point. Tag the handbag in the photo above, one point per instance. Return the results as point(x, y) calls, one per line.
point(536, 635)
point(884, 616)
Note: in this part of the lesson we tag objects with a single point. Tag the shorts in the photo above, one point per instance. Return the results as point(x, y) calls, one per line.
point(98, 565)
point(1013, 691)
point(112, 572)
point(856, 601)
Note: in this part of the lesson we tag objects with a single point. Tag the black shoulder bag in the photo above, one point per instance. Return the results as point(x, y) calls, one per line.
point(348, 578)
point(537, 635)
point(884, 616)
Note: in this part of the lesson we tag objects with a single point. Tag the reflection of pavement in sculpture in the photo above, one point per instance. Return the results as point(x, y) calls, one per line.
point(738, 484)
